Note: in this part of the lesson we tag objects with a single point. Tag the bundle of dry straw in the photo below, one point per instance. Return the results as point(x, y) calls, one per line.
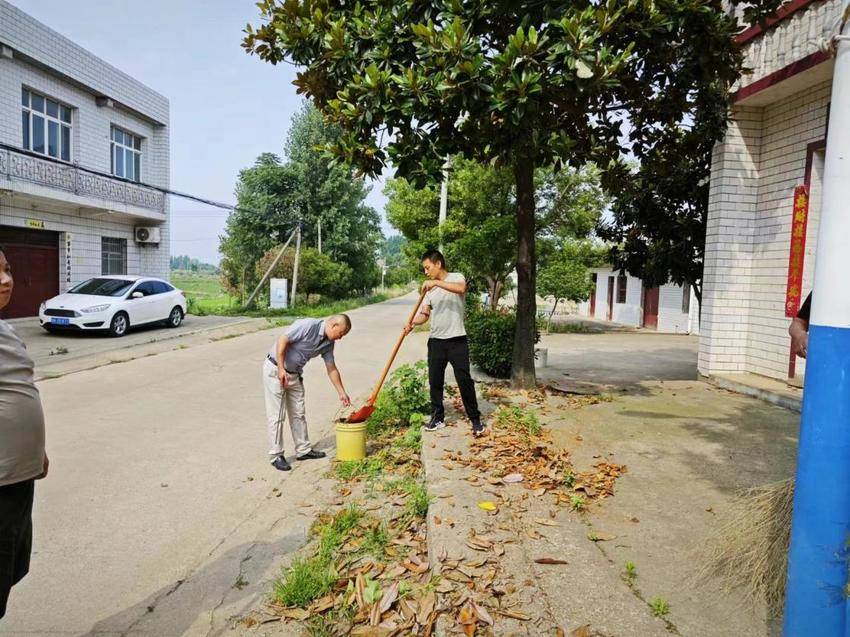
point(749, 552)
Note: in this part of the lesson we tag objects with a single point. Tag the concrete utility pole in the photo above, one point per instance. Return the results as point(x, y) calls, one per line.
point(271, 267)
point(816, 600)
point(444, 198)
point(295, 265)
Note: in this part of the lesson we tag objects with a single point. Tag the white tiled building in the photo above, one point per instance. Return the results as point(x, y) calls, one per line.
point(624, 299)
point(774, 143)
point(78, 139)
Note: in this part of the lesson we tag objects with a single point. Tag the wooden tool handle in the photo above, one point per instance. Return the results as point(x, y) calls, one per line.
point(389, 364)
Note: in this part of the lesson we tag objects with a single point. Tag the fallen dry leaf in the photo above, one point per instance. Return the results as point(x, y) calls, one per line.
point(321, 605)
point(549, 560)
point(507, 612)
point(545, 522)
point(426, 607)
point(581, 631)
point(481, 613)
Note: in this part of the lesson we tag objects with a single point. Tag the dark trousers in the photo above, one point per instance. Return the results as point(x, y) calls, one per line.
point(455, 351)
point(15, 536)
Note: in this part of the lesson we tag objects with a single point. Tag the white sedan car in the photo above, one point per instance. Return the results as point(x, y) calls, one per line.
point(114, 303)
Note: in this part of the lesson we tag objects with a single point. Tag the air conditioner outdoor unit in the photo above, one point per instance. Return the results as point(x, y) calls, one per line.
point(147, 235)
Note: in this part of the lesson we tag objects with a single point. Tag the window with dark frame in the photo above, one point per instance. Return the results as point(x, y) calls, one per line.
point(622, 282)
point(45, 126)
point(686, 299)
point(113, 255)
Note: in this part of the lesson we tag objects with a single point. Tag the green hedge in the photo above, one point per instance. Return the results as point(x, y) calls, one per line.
point(491, 340)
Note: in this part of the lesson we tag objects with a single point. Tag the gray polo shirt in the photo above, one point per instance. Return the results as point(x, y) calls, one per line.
point(306, 340)
point(21, 417)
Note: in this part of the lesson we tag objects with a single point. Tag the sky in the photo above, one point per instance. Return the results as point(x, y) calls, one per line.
point(226, 107)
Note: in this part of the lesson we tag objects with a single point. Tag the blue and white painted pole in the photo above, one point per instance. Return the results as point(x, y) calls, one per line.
point(817, 603)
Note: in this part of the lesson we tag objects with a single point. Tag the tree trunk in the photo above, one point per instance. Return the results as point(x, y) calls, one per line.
point(496, 295)
point(522, 372)
point(551, 314)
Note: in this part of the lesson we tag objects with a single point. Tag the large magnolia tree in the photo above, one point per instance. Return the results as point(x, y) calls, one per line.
point(516, 84)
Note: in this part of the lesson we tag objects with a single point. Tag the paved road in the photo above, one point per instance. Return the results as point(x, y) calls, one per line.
point(160, 515)
point(45, 348)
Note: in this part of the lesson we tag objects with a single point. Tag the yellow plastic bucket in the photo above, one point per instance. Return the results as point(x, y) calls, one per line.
point(350, 441)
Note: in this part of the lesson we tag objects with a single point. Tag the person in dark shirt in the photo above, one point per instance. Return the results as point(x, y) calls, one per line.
point(799, 328)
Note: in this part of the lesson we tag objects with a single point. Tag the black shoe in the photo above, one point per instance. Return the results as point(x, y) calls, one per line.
point(311, 455)
point(281, 464)
point(478, 428)
point(436, 423)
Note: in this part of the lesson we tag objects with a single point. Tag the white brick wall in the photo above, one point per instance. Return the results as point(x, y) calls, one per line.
point(48, 63)
point(729, 237)
point(86, 232)
point(754, 173)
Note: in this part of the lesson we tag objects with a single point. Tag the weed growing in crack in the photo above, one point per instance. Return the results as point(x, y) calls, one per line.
point(659, 606)
point(577, 502)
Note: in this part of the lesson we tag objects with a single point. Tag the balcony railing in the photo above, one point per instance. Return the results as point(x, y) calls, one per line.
point(69, 178)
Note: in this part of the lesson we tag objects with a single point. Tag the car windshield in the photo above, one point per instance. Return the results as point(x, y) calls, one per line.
point(102, 287)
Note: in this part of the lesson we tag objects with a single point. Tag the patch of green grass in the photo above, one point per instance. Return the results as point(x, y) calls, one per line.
point(523, 420)
point(326, 624)
point(306, 580)
point(631, 570)
point(412, 438)
point(577, 502)
point(569, 478)
point(659, 607)
point(376, 540)
point(418, 499)
point(369, 468)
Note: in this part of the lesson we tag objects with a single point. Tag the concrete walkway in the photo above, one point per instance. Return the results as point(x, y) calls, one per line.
point(161, 515)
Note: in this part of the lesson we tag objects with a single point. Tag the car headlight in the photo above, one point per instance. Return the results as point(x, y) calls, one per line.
point(41, 308)
point(95, 308)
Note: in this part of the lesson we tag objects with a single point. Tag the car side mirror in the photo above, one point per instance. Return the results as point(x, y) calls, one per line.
point(137, 295)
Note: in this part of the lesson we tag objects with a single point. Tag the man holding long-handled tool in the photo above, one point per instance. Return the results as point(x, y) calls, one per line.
point(445, 305)
point(284, 388)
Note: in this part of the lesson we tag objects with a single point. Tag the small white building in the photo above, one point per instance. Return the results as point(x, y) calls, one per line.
point(79, 140)
point(760, 249)
point(622, 298)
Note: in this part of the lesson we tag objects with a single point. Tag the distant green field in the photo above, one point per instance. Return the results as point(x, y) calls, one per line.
point(204, 291)
point(206, 296)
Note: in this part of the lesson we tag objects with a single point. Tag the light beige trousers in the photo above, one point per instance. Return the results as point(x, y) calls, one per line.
point(281, 403)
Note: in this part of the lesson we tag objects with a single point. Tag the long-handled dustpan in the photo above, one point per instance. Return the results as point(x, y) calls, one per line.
point(366, 410)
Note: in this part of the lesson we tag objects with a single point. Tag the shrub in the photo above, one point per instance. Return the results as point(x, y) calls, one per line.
point(405, 395)
point(491, 340)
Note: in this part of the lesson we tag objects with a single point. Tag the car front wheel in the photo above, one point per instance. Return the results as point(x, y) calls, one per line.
point(176, 317)
point(119, 325)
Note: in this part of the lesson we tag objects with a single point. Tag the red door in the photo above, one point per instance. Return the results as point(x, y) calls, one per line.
point(650, 307)
point(593, 295)
point(610, 298)
point(34, 257)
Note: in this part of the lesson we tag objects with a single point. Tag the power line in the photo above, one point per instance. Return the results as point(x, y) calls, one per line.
point(165, 191)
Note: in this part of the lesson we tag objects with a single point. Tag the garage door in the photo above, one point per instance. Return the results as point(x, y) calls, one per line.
point(34, 256)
